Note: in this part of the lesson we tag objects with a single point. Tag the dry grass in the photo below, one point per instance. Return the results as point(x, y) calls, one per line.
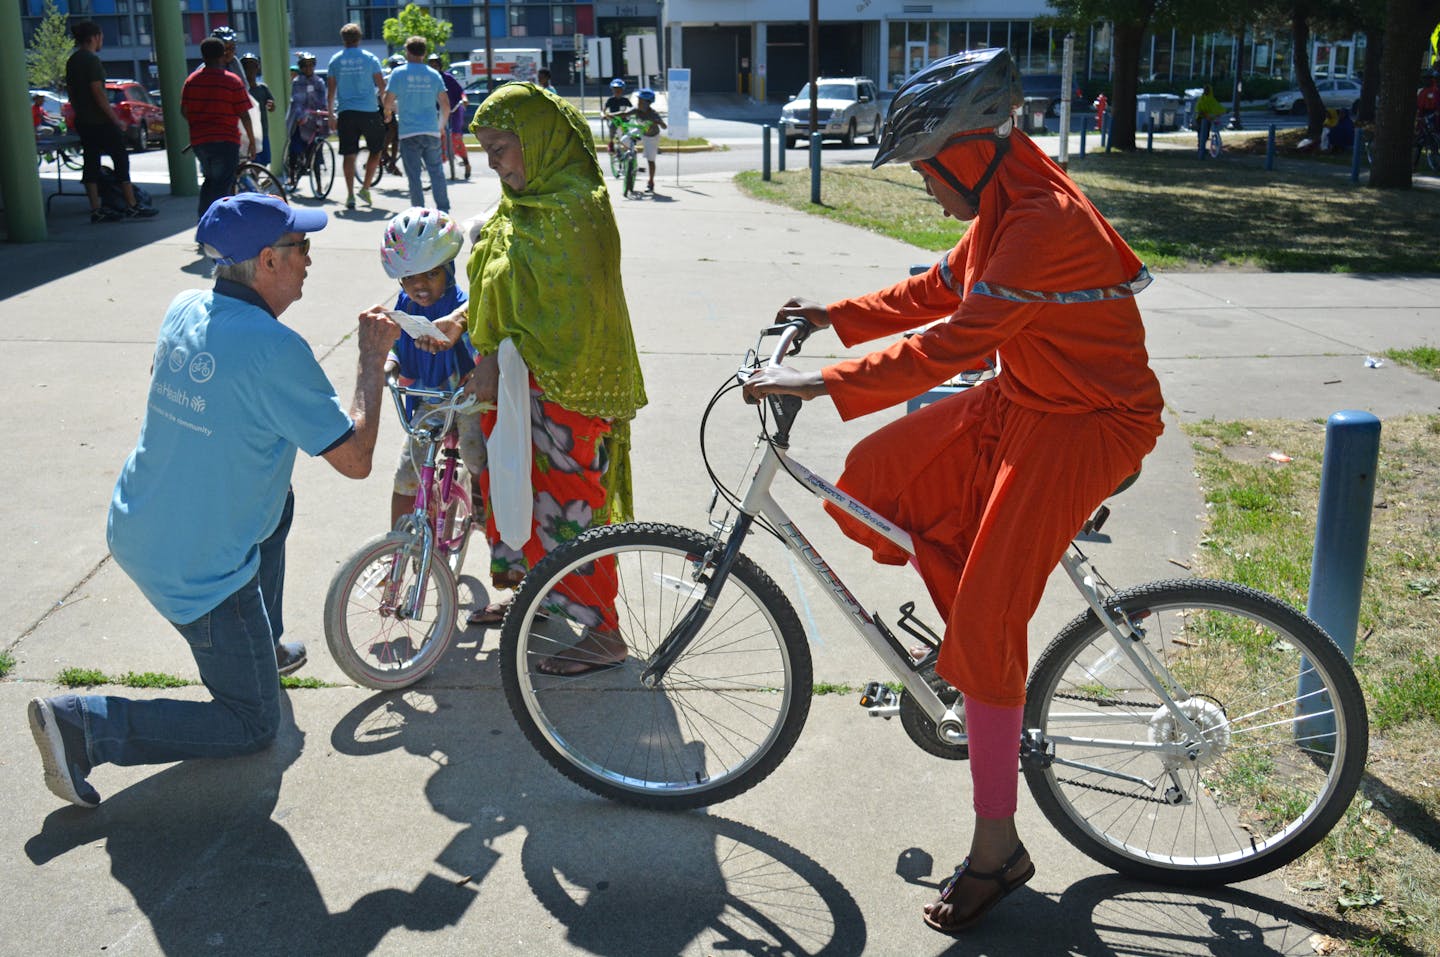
point(1378, 873)
point(1177, 212)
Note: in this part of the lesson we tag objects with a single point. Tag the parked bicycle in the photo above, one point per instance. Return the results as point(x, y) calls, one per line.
point(316, 162)
point(1190, 731)
point(391, 609)
point(1427, 142)
point(623, 159)
point(255, 178)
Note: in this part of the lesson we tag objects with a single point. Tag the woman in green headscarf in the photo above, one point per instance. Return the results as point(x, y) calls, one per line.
point(545, 274)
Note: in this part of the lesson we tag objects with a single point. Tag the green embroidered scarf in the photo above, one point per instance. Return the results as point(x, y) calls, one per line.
point(545, 272)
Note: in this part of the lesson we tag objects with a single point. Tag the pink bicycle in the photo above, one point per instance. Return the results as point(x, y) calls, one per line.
point(391, 609)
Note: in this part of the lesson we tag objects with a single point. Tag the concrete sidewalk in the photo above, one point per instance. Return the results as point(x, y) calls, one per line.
point(422, 822)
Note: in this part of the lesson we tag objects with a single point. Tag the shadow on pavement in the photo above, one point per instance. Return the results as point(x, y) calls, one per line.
point(208, 866)
point(621, 881)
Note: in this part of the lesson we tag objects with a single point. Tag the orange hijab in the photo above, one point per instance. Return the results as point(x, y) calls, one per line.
point(1035, 232)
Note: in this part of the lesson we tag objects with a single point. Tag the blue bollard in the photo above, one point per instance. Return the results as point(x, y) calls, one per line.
point(784, 129)
point(1082, 140)
point(815, 168)
point(1337, 571)
point(1355, 158)
point(1149, 138)
point(1105, 133)
point(1270, 148)
point(765, 152)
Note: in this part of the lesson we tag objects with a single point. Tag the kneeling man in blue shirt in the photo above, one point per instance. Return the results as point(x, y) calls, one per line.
point(203, 505)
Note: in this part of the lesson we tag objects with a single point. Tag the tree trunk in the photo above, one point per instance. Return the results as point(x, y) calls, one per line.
point(1314, 108)
point(1127, 71)
point(1407, 34)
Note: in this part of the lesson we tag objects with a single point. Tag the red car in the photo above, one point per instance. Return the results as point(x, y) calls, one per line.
point(144, 120)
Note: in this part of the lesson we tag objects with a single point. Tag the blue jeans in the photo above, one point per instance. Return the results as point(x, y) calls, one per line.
point(415, 150)
point(1202, 130)
point(234, 646)
point(218, 162)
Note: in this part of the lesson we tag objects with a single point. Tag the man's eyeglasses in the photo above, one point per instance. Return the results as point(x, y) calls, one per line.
point(303, 244)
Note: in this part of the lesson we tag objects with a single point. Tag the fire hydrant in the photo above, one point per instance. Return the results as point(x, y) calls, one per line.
point(1100, 104)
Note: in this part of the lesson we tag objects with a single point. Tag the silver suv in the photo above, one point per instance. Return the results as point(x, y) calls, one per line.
point(847, 107)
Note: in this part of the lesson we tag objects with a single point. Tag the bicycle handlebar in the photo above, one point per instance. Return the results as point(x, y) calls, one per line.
point(449, 404)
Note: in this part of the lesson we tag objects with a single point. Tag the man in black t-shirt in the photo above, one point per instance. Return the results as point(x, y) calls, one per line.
point(97, 124)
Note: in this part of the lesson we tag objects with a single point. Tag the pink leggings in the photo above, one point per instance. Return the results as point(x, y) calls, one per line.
point(994, 746)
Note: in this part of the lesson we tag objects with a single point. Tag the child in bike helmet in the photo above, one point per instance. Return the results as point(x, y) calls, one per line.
point(616, 106)
point(645, 112)
point(419, 250)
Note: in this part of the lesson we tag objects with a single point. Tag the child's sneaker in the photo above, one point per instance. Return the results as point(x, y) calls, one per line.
point(140, 212)
point(349, 202)
point(105, 215)
point(61, 741)
point(364, 195)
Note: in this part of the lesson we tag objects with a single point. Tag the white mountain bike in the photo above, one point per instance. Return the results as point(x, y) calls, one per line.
point(1188, 731)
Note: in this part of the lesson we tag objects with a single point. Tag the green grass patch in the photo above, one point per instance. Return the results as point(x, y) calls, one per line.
point(7, 663)
point(1424, 359)
point(1378, 870)
point(151, 679)
point(1177, 212)
point(829, 687)
point(81, 678)
point(290, 681)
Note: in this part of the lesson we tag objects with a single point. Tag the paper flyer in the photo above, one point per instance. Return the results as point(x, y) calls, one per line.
point(416, 327)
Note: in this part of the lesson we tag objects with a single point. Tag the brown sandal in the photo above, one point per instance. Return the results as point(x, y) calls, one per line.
point(491, 614)
point(595, 651)
point(955, 928)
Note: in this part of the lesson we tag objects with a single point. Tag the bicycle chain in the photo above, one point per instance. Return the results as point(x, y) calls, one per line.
point(1107, 701)
point(1104, 790)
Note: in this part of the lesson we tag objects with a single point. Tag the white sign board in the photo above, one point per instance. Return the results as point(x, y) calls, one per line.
point(599, 62)
point(642, 56)
point(678, 86)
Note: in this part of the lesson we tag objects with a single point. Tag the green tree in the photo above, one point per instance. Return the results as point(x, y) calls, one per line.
point(49, 48)
point(415, 21)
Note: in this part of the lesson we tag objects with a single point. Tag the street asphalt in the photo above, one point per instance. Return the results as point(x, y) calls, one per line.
point(422, 822)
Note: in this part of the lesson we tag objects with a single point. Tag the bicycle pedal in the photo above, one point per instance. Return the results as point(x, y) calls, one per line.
point(880, 701)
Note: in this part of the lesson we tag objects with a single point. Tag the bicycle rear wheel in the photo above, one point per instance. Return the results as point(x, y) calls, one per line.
point(720, 720)
point(254, 178)
point(69, 159)
point(370, 637)
point(322, 168)
point(1259, 787)
point(362, 161)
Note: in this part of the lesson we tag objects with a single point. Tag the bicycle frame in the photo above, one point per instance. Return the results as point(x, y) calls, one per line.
point(758, 502)
point(425, 522)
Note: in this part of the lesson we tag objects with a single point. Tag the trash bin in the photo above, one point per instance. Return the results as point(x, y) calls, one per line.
point(1169, 109)
point(1032, 117)
point(1185, 118)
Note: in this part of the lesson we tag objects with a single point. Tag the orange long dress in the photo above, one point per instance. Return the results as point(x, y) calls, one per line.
point(994, 482)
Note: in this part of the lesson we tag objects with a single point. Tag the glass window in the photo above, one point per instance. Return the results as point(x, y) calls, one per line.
point(938, 42)
point(979, 31)
point(562, 20)
point(957, 36)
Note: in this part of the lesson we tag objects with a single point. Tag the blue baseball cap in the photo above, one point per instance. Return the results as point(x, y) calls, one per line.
point(235, 228)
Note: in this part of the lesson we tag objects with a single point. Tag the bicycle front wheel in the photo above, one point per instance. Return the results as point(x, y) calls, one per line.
point(1251, 788)
point(322, 169)
point(723, 715)
point(254, 178)
point(371, 635)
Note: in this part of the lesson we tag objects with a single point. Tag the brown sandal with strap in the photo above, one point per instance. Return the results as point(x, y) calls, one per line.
point(1007, 884)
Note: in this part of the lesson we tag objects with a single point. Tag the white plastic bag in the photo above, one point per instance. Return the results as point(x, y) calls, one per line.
point(508, 449)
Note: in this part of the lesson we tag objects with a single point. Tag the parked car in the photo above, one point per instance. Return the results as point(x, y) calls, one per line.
point(144, 120)
point(846, 107)
point(1335, 94)
point(1035, 85)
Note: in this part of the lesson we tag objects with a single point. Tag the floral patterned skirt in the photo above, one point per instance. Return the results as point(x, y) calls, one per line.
point(568, 474)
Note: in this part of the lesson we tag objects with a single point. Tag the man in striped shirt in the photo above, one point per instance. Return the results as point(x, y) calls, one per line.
point(211, 100)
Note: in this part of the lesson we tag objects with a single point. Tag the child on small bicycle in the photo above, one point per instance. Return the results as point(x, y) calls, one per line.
point(419, 249)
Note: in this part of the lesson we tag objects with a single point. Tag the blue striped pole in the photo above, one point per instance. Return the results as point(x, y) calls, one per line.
point(1337, 570)
point(765, 152)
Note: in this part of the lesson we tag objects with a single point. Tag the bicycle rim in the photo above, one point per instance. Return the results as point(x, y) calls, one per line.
point(252, 177)
point(1257, 789)
point(370, 636)
point(322, 169)
point(724, 715)
point(630, 165)
point(457, 522)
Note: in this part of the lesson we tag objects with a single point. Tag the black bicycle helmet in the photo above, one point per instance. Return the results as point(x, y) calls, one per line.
point(304, 57)
point(975, 90)
point(223, 34)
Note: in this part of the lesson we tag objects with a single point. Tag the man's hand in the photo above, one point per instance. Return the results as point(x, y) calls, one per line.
point(807, 309)
point(377, 333)
point(782, 380)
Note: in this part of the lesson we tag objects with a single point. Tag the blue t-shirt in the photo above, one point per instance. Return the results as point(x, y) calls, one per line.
point(232, 395)
point(417, 89)
point(354, 71)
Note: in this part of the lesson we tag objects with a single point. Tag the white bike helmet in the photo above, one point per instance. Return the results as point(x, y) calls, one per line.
point(418, 240)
